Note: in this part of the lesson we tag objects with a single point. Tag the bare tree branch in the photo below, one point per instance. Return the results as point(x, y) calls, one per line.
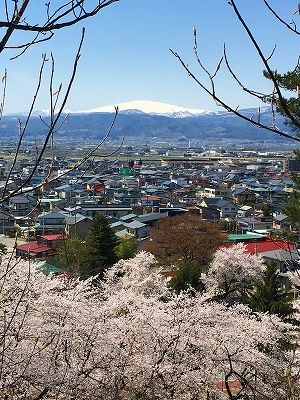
point(276, 98)
point(271, 74)
point(292, 26)
point(228, 107)
point(52, 24)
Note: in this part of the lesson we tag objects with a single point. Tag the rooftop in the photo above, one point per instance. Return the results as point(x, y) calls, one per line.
point(52, 237)
point(33, 247)
point(246, 236)
point(269, 245)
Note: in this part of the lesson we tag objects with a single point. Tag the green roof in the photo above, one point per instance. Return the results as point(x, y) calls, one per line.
point(45, 200)
point(259, 189)
point(47, 268)
point(246, 236)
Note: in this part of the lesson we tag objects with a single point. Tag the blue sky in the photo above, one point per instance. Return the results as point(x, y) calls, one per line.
point(126, 54)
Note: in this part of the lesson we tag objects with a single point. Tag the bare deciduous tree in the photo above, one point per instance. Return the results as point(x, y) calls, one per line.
point(53, 16)
point(276, 97)
point(185, 239)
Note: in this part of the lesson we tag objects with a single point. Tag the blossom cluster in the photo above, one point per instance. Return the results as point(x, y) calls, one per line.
point(129, 337)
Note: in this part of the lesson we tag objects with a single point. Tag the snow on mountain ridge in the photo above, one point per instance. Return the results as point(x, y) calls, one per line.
point(149, 107)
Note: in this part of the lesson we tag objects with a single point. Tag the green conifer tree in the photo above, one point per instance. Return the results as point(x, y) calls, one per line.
point(100, 247)
point(268, 296)
point(292, 204)
point(70, 255)
point(187, 277)
point(290, 108)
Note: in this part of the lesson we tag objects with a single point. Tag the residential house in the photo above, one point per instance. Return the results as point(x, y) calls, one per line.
point(118, 226)
point(151, 218)
point(7, 222)
point(19, 206)
point(254, 223)
point(244, 196)
point(285, 259)
point(281, 222)
point(226, 207)
point(9, 185)
point(209, 214)
point(245, 211)
point(77, 225)
point(43, 247)
point(209, 202)
point(65, 191)
point(213, 192)
point(48, 203)
point(138, 229)
point(283, 255)
point(94, 185)
point(150, 201)
point(128, 218)
point(53, 222)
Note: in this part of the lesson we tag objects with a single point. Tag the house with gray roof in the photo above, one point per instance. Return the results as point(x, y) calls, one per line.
point(53, 222)
point(226, 207)
point(151, 218)
point(138, 229)
point(77, 225)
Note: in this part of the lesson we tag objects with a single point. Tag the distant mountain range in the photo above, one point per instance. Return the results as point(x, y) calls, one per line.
point(145, 119)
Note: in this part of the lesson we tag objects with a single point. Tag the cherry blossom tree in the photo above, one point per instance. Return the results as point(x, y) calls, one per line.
point(131, 338)
point(233, 271)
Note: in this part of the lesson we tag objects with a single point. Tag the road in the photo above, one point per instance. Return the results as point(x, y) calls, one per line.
point(10, 242)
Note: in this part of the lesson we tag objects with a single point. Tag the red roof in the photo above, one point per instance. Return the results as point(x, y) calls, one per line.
point(52, 237)
point(99, 189)
point(268, 245)
point(33, 247)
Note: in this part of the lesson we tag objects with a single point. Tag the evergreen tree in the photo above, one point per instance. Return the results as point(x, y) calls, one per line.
point(71, 255)
point(127, 248)
point(100, 247)
point(292, 204)
point(187, 277)
point(269, 297)
point(266, 210)
point(290, 82)
point(292, 208)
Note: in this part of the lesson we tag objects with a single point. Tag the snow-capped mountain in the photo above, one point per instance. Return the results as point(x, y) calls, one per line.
point(149, 107)
point(150, 120)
